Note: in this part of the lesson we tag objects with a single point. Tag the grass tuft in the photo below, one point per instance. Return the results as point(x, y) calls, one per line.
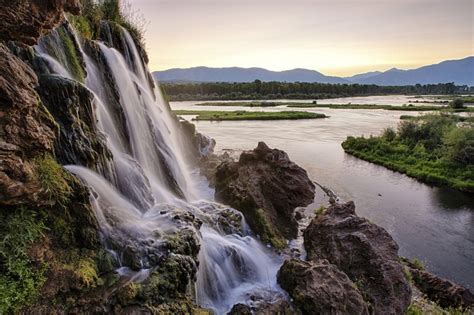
point(53, 179)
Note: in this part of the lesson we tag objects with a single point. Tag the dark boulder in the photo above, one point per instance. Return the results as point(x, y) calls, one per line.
point(442, 291)
point(365, 252)
point(240, 309)
point(266, 187)
point(320, 288)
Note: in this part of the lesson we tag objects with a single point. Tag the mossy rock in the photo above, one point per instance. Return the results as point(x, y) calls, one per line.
point(184, 242)
point(266, 231)
point(169, 281)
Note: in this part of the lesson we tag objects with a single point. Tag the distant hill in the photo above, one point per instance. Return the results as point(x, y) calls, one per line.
point(235, 74)
point(362, 76)
point(461, 72)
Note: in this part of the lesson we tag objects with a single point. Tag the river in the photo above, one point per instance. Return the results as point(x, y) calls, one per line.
point(433, 224)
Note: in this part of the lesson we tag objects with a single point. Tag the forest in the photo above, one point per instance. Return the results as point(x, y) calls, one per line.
point(299, 90)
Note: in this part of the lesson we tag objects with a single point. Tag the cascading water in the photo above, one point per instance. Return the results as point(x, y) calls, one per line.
point(137, 201)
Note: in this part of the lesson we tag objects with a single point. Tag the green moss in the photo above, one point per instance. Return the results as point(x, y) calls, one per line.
point(73, 62)
point(421, 307)
point(245, 115)
point(82, 25)
point(128, 293)
point(20, 278)
point(418, 263)
point(183, 242)
point(169, 281)
point(407, 273)
point(87, 272)
point(320, 210)
point(265, 229)
point(53, 179)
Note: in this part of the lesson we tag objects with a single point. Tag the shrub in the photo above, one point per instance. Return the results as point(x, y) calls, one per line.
point(460, 145)
point(457, 103)
point(20, 279)
point(389, 134)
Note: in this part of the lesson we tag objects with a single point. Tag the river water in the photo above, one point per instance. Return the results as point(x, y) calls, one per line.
point(434, 224)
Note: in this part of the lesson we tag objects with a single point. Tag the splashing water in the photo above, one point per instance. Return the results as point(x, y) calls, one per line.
point(149, 182)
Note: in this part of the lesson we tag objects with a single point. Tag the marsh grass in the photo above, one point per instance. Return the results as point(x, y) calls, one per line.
point(246, 115)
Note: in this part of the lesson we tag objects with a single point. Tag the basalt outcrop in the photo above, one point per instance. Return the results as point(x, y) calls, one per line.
point(320, 288)
point(363, 251)
point(266, 186)
point(445, 292)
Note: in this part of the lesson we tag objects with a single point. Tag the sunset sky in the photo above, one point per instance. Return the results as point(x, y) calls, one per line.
point(336, 37)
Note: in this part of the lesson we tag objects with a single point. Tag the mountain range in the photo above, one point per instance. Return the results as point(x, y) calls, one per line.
point(460, 71)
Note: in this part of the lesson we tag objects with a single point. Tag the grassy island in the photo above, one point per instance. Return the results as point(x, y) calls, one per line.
point(408, 107)
point(245, 115)
point(435, 149)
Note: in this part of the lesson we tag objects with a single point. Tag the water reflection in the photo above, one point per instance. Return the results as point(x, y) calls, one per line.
point(434, 224)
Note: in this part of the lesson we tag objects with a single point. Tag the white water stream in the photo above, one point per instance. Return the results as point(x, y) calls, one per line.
point(149, 181)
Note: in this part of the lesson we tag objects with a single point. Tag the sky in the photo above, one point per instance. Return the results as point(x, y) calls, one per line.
point(335, 37)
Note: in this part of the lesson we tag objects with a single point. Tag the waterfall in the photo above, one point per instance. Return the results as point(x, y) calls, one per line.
point(150, 183)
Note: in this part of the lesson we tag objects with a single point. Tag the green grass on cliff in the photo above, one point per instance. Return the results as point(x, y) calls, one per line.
point(436, 150)
point(53, 179)
point(20, 278)
point(72, 59)
point(245, 115)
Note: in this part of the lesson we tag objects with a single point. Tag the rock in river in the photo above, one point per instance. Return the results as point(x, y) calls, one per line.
point(266, 186)
point(365, 252)
point(320, 288)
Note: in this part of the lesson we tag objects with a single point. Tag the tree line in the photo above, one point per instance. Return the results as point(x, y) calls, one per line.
point(298, 90)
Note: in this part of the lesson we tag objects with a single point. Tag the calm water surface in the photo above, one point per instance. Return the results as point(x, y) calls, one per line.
point(433, 224)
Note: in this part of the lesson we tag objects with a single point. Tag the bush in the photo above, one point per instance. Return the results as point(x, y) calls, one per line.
point(20, 279)
point(457, 103)
point(116, 11)
point(389, 134)
point(460, 145)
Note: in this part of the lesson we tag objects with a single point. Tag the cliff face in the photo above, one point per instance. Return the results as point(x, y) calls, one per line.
point(52, 258)
point(24, 21)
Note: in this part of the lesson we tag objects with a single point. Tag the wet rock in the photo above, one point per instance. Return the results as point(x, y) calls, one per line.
point(184, 242)
point(266, 186)
point(209, 164)
point(25, 21)
point(230, 222)
point(170, 280)
point(320, 288)
point(26, 131)
point(71, 104)
point(365, 252)
point(442, 291)
point(200, 146)
point(240, 309)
